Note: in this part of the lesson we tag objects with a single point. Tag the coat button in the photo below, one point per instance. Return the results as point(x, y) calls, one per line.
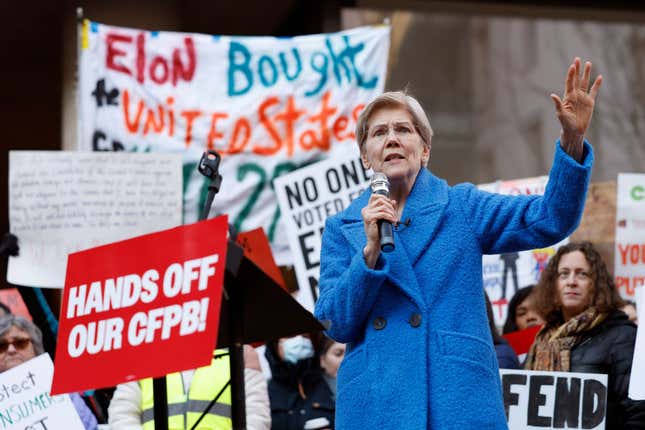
point(379, 323)
point(415, 320)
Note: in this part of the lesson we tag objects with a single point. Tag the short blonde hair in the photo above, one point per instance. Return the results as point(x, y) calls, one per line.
point(395, 99)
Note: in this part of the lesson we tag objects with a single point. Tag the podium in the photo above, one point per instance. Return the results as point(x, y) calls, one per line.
point(254, 309)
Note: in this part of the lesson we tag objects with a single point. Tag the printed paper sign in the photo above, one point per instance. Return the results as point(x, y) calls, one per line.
point(629, 260)
point(307, 197)
point(268, 105)
point(506, 273)
point(143, 307)
point(554, 400)
point(25, 401)
point(62, 202)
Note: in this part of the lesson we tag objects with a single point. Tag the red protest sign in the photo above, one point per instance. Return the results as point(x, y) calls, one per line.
point(257, 248)
point(522, 340)
point(142, 307)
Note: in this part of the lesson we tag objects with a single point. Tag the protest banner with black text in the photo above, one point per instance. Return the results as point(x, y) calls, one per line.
point(307, 197)
point(62, 202)
point(553, 400)
point(142, 307)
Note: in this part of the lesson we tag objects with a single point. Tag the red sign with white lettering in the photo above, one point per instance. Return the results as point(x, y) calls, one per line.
point(142, 307)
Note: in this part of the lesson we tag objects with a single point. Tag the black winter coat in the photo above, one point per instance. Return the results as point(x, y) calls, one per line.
point(289, 382)
point(608, 348)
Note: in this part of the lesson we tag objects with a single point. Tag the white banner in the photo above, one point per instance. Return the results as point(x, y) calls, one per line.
point(504, 274)
point(25, 403)
point(636, 384)
point(268, 105)
point(629, 256)
point(307, 197)
point(554, 400)
point(63, 202)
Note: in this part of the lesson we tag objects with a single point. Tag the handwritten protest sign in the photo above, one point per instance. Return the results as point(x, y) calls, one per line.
point(629, 258)
point(267, 105)
point(25, 401)
point(552, 400)
point(307, 197)
point(143, 307)
point(504, 274)
point(62, 202)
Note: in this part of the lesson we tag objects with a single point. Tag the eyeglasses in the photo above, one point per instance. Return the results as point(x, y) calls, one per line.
point(402, 130)
point(579, 276)
point(19, 344)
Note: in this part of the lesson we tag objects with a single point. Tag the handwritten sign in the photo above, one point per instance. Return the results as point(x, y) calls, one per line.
point(629, 257)
point(307, 197)
point(25, 401)
point(62, 202)
point(554, 400)
point(504, 274)
point(142, 307)
point(267, 105)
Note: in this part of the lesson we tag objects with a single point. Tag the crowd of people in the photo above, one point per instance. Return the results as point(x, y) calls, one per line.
point(584, 327)
point(423, 350)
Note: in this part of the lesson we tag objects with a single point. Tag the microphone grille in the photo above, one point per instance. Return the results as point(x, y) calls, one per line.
point(380, 183)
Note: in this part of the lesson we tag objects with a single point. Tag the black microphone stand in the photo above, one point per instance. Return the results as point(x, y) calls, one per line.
point(209, 167)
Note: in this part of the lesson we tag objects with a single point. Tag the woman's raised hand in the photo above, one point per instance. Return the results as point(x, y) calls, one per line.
point(575, 108)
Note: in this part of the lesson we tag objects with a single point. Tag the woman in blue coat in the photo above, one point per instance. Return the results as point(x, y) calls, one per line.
point(419, 350)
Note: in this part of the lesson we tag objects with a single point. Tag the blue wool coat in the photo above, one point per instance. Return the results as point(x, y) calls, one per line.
point(420, 353)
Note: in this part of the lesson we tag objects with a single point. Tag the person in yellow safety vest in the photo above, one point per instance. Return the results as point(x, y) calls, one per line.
point(189, 393)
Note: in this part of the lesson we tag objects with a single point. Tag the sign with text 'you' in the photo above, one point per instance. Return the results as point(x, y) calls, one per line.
point(26, 403)
point(142, 307)
point(629, 256)
point(307, 197)
point(268, 105)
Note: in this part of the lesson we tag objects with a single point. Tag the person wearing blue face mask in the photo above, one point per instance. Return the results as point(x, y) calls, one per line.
point(297, 390)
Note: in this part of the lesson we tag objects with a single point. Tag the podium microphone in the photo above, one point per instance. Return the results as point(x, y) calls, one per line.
point(381, 185)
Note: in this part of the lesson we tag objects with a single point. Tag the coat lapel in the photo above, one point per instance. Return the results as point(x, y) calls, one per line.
point(424, 207)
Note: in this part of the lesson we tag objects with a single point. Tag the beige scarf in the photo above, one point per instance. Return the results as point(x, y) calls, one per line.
point(552, 347)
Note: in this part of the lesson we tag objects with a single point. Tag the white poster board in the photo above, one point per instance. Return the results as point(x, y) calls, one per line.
point(307, 197)
point(504, 274)
point(62, 202)
point(637, 377)
point(554, 400)
point(25, 403)
point(629, 256)
point(268, 105)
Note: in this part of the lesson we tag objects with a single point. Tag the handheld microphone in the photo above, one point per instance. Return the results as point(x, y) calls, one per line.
point(381, 185)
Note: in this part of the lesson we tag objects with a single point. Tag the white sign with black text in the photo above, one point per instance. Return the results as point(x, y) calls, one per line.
point(554, 400)
point(307, 197)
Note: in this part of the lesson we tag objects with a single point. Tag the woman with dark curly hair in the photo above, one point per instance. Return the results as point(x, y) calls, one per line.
point(585, 330)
